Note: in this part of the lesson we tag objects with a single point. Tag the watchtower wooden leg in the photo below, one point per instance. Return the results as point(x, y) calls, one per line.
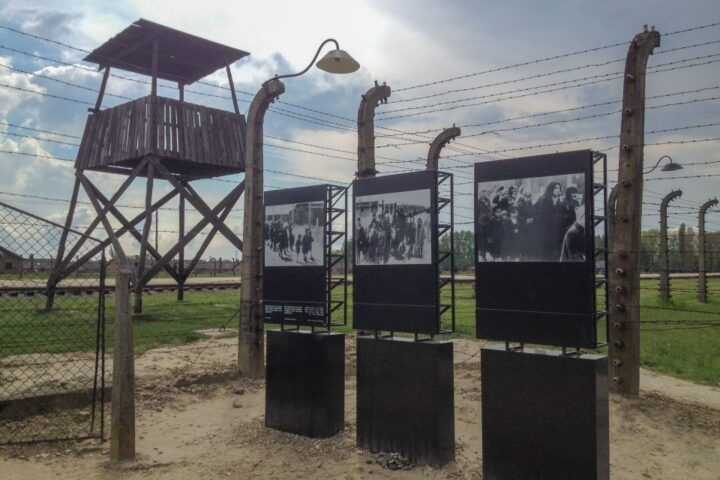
point(144, 241)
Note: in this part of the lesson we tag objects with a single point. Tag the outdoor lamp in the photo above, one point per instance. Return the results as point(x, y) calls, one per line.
point(669, 167)
point(338, 61)
point(250, 336)
point(335, 61)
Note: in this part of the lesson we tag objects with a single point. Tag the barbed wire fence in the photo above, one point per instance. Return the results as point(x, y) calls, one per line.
point(197, 332)
point(49, 358)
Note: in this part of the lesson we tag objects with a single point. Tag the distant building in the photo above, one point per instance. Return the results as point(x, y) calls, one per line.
point(10, 262)
point(133, 259)
point(38, 265)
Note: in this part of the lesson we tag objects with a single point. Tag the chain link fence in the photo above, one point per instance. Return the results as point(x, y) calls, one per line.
point(52, 362)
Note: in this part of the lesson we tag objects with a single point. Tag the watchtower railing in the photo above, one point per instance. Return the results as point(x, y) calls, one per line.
point(186, 132)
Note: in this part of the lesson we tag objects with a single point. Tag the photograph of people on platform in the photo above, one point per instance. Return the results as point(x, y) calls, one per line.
point(538, 219)
point(294, 234)
point(393, 228)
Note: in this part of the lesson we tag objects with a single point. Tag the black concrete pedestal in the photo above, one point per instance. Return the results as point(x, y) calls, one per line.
point(405, 399)
point(305, 383)
point(544, 416)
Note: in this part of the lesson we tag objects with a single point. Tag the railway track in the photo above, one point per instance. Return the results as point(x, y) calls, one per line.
point(215, 285)
point(79, 290)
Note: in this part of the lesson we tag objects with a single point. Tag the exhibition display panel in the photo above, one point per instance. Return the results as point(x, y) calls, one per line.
point(305, 292)
point(534, 250)
point(305, 272)
point(396, 259)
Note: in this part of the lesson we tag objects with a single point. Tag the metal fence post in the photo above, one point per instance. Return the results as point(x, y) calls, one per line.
point(366, 138)
point(366, 128)
point(702, 280)
point(442, 139)
point(624, 291)
point(251, 336)
point(122, 423)
point(663, 251)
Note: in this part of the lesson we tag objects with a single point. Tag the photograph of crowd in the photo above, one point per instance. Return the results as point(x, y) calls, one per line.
point(294, 234)
point(393, 228)
point(539, 219)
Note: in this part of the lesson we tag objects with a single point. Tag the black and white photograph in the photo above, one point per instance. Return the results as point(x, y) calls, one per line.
point(294, 234)
point(537, 219)
point(393, 228)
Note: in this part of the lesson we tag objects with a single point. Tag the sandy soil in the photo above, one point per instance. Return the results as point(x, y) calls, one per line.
point(192, 427)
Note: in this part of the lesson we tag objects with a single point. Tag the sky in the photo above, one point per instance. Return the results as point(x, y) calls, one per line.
point(405, 44)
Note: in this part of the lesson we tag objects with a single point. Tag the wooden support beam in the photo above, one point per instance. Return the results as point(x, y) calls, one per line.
point(232, 90)
point(157, 229)
point(122, 417)
point(133, 231)
point(54, 275)
point(230, 198)
point(144, 240)
point(208, 239)
point(153, 94)
point(181, 120)
point(107, 242)
point(102, 214)
point(181, 253)
point(101, 93)
point(197, 202)
point(224, 229)
point(97, 220)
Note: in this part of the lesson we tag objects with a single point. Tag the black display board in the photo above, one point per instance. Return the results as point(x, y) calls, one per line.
point(395, 280)
point(294, 276)
point(544, 416)
point(305, 382)
point(406, 399)
point(534, 249)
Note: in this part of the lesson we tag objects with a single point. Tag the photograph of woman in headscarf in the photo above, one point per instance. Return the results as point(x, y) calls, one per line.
point(529, 219)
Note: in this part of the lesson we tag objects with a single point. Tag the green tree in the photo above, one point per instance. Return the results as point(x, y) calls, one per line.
point(464, 249)
point(649, 245)
point(681, 256)
point(691, 260)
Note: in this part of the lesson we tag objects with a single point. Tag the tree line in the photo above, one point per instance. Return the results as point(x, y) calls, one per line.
point(682, 250)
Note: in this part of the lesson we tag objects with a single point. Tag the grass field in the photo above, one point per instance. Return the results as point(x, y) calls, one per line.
point(681, 338)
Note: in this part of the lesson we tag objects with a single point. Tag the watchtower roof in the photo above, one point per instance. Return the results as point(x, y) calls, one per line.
point(182, 57)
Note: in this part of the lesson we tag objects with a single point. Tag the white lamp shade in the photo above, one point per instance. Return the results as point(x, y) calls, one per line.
point(338, 61)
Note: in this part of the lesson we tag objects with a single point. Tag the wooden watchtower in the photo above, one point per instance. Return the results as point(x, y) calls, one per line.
point(157, 138)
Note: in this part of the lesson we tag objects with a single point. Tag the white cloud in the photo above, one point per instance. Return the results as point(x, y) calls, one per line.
point(399, 43)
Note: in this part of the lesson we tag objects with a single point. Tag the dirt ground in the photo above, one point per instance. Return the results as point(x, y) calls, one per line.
point(195, 422)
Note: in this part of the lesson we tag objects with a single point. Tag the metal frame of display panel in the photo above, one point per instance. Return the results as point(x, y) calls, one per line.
point(513, 332)
point(336, 212)
point(601, 222)
point(600, 277)
point(445, 204)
